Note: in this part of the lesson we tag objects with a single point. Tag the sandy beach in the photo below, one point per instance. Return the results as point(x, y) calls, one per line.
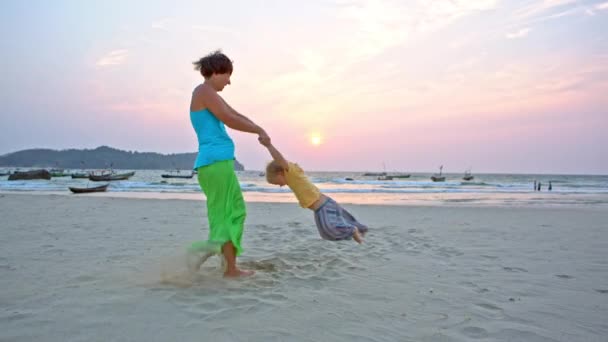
point(78, 268)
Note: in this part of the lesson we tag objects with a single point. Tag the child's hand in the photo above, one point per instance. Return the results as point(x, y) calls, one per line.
point(264, 139)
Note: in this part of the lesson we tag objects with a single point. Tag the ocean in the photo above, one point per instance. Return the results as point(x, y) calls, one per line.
point(356, 188)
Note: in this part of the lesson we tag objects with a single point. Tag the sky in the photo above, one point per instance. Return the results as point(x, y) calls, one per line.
point(339, 85)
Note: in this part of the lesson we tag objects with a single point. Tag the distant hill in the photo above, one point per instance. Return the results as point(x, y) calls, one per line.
point(100, 158)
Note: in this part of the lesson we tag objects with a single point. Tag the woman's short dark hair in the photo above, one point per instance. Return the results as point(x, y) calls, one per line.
point(214, 63)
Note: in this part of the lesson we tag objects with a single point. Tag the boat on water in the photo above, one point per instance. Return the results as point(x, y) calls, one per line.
point(467, 175)
point(82, 173)
point(374, 174)
point(177, 174)
point(58, 173)
point(400, 176)
point(111, 177)
point(438, 177)
point(101, 188)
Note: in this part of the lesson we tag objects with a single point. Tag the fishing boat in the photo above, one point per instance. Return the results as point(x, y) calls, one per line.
point(372, 174)
point(176, 174)
point(111, 177)
point(80, 175)
point(438, 177)
point(467, 175)
point(56, 172)
point(101, 188)
point(400, 176)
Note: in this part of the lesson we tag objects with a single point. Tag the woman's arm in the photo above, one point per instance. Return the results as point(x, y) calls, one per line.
point(224, 113)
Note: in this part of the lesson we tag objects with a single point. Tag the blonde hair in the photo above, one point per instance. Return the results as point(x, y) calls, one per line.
point(272, 170)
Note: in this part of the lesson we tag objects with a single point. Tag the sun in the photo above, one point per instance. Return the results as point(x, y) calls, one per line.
point(315, 139)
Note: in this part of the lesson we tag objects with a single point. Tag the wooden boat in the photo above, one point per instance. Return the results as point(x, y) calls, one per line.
point(438, 177)
point(367, 174)
point(58, 172)
point(28, 175)
point(467, 175)
point(111, 177)
point(176, 174)
point(100, 188)
point(400, 176)
point(82, 173)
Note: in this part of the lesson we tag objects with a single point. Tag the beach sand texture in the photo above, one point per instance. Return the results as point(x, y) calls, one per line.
point(112, 269)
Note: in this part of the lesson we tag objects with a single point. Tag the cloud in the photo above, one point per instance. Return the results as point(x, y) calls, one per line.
point(602, 6)
point(162, 24)
point(540, 7)
point(115, 57)
point(361, 31)
point(518, 34)
point(214, 29)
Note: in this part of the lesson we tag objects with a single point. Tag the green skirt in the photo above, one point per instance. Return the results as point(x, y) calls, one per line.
point(226, 209)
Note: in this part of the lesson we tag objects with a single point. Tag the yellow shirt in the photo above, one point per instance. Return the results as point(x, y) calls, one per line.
point(306, 192)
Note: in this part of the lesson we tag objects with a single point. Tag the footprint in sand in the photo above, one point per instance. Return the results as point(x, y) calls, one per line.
point(264, 266)
point(475, 332)
point(564, 276)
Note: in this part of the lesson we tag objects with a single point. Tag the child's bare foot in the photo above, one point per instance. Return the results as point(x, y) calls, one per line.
point(238, 273)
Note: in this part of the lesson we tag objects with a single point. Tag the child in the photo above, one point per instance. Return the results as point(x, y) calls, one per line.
point(333, 222)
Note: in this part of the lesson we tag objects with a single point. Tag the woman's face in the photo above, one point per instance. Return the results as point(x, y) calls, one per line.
point(220, 81)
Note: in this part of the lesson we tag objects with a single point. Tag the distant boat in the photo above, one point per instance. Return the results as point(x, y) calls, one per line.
point(438, 177)
point(29, 175)
point(385, 177)
point(111, 177)
point(80, 175)
point(58, 173)
point(400, 176)
point(100, 188)
point(4, 173)
point(348, 179)
point(467, 175)
point(176, 174)
point(374, 174)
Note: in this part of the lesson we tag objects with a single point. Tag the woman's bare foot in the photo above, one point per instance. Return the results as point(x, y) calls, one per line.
point(238, 273)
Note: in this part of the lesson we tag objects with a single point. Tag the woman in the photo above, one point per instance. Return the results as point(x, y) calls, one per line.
point(215, 161)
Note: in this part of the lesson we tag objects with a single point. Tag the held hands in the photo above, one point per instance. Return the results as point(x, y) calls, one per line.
point(264, 139)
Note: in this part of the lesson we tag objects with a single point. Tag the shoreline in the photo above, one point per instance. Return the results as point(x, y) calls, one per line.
point(498, 200)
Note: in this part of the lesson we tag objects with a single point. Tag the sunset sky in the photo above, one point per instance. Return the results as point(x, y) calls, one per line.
point(499, 86)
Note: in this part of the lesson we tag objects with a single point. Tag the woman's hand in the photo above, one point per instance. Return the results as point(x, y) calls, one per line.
point(264, 139)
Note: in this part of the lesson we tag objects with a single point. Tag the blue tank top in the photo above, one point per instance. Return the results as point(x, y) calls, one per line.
point(214, 144)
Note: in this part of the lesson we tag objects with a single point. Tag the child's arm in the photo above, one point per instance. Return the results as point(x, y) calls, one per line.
point(277, 156)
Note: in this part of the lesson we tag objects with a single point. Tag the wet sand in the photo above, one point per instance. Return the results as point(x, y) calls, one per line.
point(78, 268)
